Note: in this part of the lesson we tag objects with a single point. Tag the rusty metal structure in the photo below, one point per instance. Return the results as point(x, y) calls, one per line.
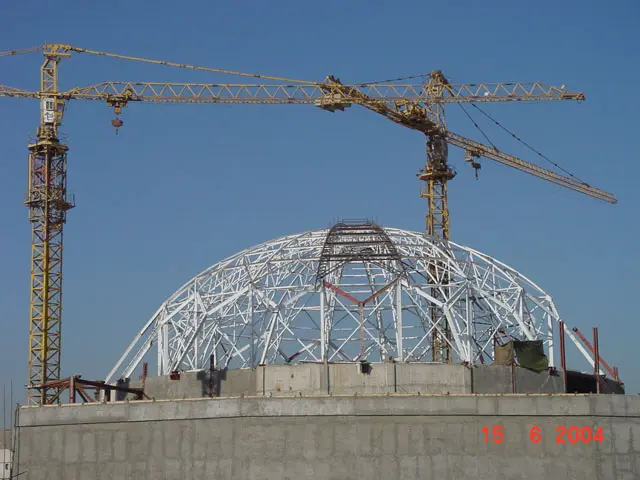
point(419, 106)
point(79, 388)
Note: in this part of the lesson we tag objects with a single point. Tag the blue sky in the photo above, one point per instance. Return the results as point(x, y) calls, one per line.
point(182, 187)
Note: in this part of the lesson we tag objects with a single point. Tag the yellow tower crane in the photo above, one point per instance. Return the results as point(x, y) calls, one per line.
point(419, 106)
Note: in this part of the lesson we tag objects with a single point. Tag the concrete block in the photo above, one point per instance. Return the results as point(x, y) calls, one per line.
point(294, 379)
point(527, 381)
point(635, 437)
point(625, 466)
point(633, 405)
point(111, 470)
point(440, 467)
point(605, 466)
point(235, 383)
point(89, 447)
point(608, 425)
point(172, 469)
point(365, 466)
point(72, 446)
point(424, 466)
point(325, 441)
point(389, 468)
point(407, 466)
point(622, 439)
point(199, 469)
point(564, 405)
point(491, 379)
point(225, 468)
point(347, 379)
point(120, 452)
point(516, 405)
point(487, 405)
point(157, 444)
point(432, 379)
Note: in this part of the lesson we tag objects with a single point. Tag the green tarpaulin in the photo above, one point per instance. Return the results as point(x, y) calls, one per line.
point(527, 354)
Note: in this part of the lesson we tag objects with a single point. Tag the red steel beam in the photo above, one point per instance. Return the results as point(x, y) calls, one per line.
point(381, 291)
point(590, 347)
point(342, 292)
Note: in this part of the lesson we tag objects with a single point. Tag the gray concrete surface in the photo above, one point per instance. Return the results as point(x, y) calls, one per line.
point(5, 438)
point(5, 463)
point(501, 379)
point(332, 437)
point(339, 379)
point(5, 453)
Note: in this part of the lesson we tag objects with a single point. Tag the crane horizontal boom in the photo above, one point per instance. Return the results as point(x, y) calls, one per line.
point(413, 115)
point(18, 93)
point(478, 149)
point(306, 93)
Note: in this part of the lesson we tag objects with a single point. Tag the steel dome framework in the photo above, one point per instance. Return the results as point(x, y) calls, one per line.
point(308, 298)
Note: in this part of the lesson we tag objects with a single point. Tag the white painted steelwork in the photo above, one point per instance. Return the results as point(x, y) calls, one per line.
point(266, 305)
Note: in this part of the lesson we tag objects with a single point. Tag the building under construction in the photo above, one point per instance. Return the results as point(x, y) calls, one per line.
point(320, 355)
point(353, 351)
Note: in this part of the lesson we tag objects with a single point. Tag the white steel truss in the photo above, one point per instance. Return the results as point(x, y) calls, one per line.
point(265, 305)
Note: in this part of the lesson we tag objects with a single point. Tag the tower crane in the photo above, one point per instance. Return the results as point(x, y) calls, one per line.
point(415, 105)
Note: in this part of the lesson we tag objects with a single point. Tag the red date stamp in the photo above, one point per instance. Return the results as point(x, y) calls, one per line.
point(563, 434)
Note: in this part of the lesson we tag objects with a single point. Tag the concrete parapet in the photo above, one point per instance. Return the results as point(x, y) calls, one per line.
point(348, 378)
point(543, 405)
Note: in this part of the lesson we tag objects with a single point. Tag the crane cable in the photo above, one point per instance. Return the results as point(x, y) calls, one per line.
point(18, 52)
point(477, 126)
point(156, 62)
point(183, 65)
point(525, 143)
point(423, 76)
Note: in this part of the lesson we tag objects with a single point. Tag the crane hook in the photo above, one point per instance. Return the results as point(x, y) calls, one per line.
point(117, 123)
point(469, 157)
point(117, 107)
point(476, 166)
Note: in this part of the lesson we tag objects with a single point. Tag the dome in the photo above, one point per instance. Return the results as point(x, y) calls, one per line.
point(354, 292)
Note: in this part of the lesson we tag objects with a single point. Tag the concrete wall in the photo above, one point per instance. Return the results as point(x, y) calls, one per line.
point(339, 379)
point(340, 437)
point(415, 377)
point(502, 379)
point(5, 438)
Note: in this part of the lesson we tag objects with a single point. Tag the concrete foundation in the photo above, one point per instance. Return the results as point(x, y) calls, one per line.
point(335, 437)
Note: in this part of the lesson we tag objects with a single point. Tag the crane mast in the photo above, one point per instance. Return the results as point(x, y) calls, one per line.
point(418, 106)
point(436, 173)
point(48, 204)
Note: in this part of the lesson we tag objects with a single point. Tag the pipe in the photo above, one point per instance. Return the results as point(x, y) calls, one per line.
point(596, 363)
point(145, 372)
point(590, 347)
point(72, 390)
point(563, 357)
point(211, 375)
